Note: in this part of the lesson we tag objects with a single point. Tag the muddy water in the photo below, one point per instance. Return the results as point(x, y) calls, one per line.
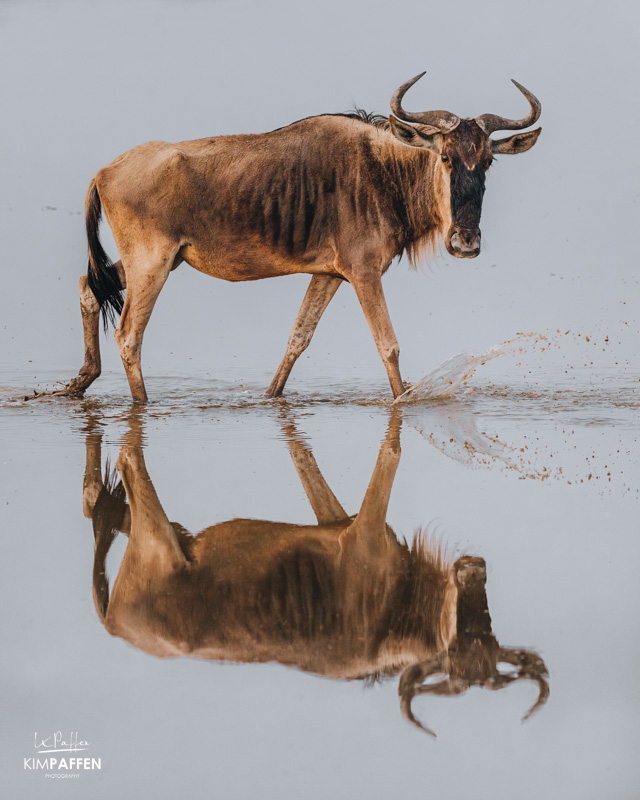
point(541, 483)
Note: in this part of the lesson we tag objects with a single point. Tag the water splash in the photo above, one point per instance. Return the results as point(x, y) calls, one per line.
point(453, 373)
point(452, 429)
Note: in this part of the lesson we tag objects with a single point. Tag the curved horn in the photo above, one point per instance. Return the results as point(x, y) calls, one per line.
point(491, 122)
point(531, 667)
point(411, 684)
point(442, 121)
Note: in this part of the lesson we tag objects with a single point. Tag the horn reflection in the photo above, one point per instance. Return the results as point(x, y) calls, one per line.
point(344, 598)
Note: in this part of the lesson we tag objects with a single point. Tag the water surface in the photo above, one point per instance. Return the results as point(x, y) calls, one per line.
point(539, 483)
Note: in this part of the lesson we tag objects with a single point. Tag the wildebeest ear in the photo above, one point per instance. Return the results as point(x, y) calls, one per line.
point(519, 143)
point(416, 137)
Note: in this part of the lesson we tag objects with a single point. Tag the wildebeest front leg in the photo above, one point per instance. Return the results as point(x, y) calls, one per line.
point(318, 296)
point(373, 511)
point(368, 287)
point(367, 533)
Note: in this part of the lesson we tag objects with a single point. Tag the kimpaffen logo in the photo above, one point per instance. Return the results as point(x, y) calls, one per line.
point(70, 755)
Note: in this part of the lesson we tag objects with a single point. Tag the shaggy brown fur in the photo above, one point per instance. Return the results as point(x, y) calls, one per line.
point(343, 599)
point(335, 196)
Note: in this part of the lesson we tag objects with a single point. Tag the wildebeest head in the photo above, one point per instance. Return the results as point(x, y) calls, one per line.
point(474, 657)
point(465, 151)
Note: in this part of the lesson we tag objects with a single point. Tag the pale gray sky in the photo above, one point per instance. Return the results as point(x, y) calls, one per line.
point(85, 81)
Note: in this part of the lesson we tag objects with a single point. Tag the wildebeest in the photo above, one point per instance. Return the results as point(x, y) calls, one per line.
point(343, 599)
point(337, 196)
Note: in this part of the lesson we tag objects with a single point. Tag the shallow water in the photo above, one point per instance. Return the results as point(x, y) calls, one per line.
point(539, 478)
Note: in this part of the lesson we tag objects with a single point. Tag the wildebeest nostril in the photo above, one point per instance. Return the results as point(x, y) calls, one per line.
point(470, 569)
point(471, 238)
point(466, 240)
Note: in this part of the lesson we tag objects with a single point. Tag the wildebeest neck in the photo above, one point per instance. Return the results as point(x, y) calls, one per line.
point(414, 182)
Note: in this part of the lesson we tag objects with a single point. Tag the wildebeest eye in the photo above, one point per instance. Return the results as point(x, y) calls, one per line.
point(445, 158)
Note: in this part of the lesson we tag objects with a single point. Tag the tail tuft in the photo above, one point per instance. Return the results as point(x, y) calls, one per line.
point(107, 516)
point(102, 277)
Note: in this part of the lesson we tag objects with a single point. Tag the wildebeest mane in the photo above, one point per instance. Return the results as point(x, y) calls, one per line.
point(370, 117)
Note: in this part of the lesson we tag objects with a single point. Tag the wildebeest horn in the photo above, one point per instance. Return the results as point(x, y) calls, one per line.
point(491, 122)
point(530, 667)
point(442, 121)
point(411, 684)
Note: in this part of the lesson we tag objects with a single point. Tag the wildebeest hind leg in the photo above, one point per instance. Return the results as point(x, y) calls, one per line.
point(91, 368)
point(146, 275)
point(318, 296)
point(152, 535)
point(90, 310)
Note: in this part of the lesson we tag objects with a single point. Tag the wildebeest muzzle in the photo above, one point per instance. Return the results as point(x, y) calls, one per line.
point(463, 242)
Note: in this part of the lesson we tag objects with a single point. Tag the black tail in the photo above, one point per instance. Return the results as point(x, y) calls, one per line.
point(102, 277)
point(107, 516)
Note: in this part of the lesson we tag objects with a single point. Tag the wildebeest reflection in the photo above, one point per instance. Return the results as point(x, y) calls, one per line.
point(343, 599)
